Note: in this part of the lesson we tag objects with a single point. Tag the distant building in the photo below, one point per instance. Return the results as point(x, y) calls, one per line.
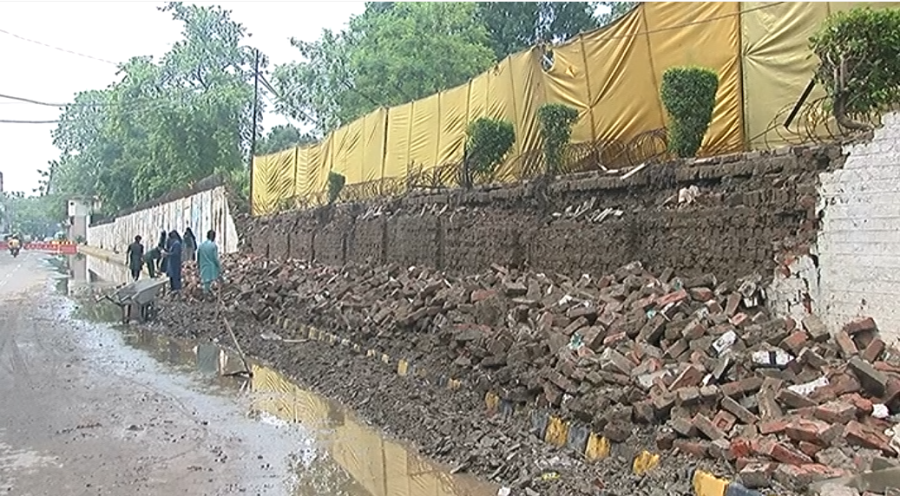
point(1, 182)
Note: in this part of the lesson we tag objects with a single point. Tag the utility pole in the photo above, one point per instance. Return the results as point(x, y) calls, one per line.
point(255, 111)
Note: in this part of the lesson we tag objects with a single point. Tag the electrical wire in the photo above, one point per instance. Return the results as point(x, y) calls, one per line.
point(64, 50)
point(15, 121)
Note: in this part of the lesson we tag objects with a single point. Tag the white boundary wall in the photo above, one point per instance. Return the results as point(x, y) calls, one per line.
point(201, 212)
point(858, 243)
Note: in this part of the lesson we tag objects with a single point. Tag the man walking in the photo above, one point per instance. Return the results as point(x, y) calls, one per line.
point(208, 261)
point(135, 257)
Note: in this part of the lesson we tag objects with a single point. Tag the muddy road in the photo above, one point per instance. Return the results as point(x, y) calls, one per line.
point(81, 413)
point(92, 408)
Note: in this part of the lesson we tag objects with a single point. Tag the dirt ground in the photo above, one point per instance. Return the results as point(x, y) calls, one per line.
point(83, 414)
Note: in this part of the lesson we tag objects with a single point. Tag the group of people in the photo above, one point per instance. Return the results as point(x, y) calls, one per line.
point(168, 256)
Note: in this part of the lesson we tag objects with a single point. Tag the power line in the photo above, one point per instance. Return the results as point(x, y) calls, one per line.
point(64, 50)
point(15, 121)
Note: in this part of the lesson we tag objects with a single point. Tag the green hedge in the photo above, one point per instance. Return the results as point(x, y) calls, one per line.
point(689, 95)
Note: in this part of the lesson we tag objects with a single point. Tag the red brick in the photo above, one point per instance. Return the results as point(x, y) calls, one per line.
point(844, 383)
point(891, 396)
point(714, 307)
point(846, 344)
point(762, 446)
point(724, 420)
point(776, 426)
point(809, 449)
point(698, 449)
point(795, 342)
point(690, 376)
point(740, 448)
point(735, 408)
point(813, 431)
point(739, 319)
point(734, 300)
point(861, 325)
point(612, 339)
point(787, 454)
point(863, 406)
point(836, 412)
point(867, 437)
point(706, 426)
point(740, 463)
point(702, 294)
point(720, 449)
point(791, 399)
point(675, 297)
point(873, 352)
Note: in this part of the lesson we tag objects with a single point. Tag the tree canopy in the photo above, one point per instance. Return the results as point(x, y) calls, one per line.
point(282, 137)
point(166, 123)
point(396, 52)
point(39, 216)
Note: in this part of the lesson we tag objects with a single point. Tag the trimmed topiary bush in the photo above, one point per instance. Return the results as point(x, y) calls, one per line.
point(488, 141)
point(336, 183)
point(689, 95)
point(556, 122)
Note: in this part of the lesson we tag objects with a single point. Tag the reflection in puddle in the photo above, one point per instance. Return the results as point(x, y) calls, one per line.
point(341, 456)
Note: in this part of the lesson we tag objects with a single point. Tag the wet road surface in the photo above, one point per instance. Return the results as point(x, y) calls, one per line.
point(81, 414)
point(88, 409)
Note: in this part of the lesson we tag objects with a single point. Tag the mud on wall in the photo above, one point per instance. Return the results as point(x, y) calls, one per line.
point(752, 209)
point(201, 211)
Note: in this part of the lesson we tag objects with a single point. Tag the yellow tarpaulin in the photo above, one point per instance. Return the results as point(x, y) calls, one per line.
point(611, 76)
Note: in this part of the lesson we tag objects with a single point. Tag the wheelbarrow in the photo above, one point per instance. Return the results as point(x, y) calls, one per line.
point(137, 299)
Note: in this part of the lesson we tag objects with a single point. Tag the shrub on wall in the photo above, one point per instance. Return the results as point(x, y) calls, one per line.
point(689, 95)
point(488, 141)
point(859, 62)
point(556, 122)
point(335, 185)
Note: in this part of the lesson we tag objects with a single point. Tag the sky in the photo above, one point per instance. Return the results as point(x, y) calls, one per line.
point(114, 31)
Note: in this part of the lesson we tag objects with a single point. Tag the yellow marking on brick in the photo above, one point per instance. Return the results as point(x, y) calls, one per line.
point(402, 367)
point(557, 432)
point(370, 353)
point(644, 463)
point(597, 448)
point(454, 384)
point(706, 484)
point(491, 401)
point(385, 358)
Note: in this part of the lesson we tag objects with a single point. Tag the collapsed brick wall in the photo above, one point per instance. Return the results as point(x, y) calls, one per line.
point(751, 208)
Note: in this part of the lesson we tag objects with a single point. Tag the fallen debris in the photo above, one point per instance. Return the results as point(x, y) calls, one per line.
point(701, 360)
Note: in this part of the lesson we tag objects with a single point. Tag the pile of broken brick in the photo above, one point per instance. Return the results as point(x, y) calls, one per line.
point(702, 361)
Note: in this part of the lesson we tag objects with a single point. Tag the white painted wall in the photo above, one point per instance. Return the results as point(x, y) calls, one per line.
point(858, 243)
point(201, 212)
point(859, 237)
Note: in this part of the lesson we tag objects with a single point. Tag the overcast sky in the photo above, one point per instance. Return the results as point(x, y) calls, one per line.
point(113, 31)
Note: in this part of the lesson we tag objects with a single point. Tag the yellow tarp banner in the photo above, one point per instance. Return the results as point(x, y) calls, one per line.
point(611, 76)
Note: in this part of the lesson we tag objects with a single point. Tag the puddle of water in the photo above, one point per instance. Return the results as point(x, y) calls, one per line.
point(340, 456)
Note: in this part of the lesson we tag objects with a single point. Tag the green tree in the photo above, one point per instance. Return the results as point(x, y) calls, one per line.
point(166, 123)
point(38, 216)
point(282, 137)
point(859, 65)
point(389, 55)
point(514, 26)
point(613, 11)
